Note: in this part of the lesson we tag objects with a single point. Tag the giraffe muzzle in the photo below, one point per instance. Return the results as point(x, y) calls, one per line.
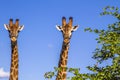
point(13, 39)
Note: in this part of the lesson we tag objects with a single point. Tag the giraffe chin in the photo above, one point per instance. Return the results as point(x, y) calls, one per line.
point(13, 39)
point(66, 40)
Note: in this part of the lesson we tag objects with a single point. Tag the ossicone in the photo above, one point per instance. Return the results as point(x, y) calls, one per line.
point(63, 18)
point(17, 19)
point(11, 19)
point(70, 18)
point(11, 22)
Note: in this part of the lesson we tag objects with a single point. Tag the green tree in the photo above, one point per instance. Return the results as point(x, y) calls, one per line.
point(108, 49)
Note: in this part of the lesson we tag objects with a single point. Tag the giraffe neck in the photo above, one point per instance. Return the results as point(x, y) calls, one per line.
point(61, 75)
point(14, 62)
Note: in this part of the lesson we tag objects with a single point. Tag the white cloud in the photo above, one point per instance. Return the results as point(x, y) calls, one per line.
point(50, 46)
point(3, 74)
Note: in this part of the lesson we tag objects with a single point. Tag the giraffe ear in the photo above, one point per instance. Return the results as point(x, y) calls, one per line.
point(75, 28)
point(58, 28)
point(21, 28)
point(6, 27)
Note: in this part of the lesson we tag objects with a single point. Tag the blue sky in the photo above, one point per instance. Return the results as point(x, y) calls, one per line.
point(40, 42)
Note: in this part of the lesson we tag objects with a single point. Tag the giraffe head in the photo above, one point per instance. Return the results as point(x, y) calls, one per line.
point(67, 28)
point(13, 29)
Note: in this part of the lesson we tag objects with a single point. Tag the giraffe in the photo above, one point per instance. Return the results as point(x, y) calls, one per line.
point(66, 30)
point(13, 30)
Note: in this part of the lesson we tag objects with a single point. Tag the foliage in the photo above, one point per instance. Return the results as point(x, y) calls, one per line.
point(109, 41)
point(108, 49)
